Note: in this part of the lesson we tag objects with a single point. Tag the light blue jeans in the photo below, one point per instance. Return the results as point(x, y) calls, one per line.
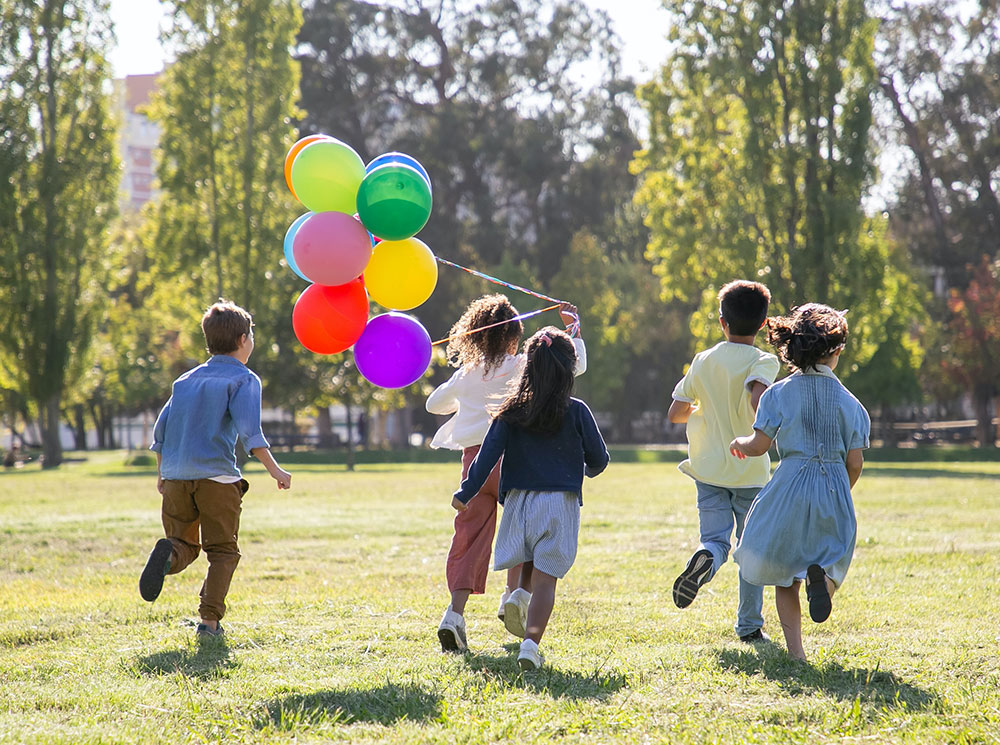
point(719, 508)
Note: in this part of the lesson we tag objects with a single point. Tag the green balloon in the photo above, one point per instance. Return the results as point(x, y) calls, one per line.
point(394, 201)
point(326, 176)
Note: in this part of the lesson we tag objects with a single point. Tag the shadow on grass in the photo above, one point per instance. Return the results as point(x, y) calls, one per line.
point(209, 660)
point(386, 705)
point(551, 681)
point(925, 473)
point(877, 687)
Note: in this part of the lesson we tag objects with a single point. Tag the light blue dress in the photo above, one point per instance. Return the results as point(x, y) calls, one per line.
point(805, 514)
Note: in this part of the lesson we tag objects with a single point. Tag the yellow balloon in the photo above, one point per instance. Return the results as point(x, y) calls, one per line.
point(401, 274)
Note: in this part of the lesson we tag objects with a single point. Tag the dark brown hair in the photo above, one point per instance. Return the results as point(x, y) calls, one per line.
point(541, 395)
point(808, 334)
point(743, 304)
point(223, 324)
point(487, 348)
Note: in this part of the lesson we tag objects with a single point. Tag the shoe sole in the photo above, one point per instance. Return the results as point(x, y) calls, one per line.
point(512, 619)
point(687, 584)
point(450, 641)
point(820, 603)
point(526, 664)
point(151, 580)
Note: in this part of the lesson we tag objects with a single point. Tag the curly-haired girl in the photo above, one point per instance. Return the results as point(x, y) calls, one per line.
point(802, 524)
point(487, 360)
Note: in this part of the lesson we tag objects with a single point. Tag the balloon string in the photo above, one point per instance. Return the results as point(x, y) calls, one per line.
point(573, 329)
point(492, 325)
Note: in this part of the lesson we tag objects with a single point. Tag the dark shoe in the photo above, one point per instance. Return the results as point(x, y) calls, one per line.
point(157, 566)
point(204, 631)
point(755, 636)
point(687, 584)
point(820, 603)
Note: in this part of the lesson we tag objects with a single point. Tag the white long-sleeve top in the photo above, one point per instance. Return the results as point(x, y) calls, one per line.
point(470, 396)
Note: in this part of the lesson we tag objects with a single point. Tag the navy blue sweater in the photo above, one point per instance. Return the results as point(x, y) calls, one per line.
point(540, 462)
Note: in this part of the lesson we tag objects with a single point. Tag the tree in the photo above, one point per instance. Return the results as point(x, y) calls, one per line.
point(59, 176)
point(938, 65)
point(225, 107)
point(759, 158)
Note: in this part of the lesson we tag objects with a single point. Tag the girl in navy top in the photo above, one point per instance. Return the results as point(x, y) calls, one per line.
point(549, 441)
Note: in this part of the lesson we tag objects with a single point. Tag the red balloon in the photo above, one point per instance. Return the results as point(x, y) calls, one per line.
point(328, 320)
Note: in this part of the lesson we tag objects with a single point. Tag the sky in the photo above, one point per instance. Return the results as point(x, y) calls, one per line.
point(642, 25)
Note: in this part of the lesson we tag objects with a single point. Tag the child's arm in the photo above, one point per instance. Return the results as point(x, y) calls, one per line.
point(443, 399)
point(680, 411)
point(855, 462)
point(159, 477)
point(283, 477)
point(750, 446)
point(595, 450)
point(482, 465)
point(756, 391)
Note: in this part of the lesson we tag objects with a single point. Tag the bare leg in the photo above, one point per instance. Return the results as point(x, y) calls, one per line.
point(524, 579)
point(540, 608)
point(786, 600)
point(458, 600)
point(514, 579)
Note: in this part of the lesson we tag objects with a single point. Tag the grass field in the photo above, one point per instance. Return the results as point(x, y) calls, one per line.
point(333, 613)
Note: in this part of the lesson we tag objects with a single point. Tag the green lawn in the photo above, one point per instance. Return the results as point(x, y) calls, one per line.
point(333, 614)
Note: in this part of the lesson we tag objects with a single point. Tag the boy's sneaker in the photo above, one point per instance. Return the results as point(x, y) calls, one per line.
point(157, 566)
point(529, 658)
point(515, 612)
point(503, 601)
point(451, 632)
point(755, 636)
point(687, 584)
point(203, 630)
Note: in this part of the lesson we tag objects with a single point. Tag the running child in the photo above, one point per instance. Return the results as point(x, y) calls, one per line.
point(802, 524)
point(487, 363)
point(548, 441)
point(717, 398)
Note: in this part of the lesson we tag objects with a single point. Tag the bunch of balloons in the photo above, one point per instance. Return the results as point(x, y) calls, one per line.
point(357, 242)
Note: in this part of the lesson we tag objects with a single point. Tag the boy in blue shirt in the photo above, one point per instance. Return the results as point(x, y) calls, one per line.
point(195, 444)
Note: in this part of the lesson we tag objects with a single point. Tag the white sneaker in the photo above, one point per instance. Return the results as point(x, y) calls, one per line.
point(503, 601)
point(529, 658)
point(515, 612)
point(451, 632)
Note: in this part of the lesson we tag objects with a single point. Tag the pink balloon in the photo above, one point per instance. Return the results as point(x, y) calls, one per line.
point(331, 248)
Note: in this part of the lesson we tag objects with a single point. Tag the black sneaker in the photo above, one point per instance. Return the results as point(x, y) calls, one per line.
point(687, 584)
point(157, 566)
point(755, 636)
point(203, 630)
point(820, 603)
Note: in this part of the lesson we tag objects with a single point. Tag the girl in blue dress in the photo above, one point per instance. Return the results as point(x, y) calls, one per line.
point(802, 524)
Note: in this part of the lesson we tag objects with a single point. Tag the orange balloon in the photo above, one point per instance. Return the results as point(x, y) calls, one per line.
point(293, 151)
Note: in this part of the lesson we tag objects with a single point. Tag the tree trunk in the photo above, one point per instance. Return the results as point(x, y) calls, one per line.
point(79, 428)
point(350, 437)
point(325, 427)
point(49, 420)
point(982, 396)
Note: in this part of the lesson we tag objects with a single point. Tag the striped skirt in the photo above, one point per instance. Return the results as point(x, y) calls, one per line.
point(541, 527)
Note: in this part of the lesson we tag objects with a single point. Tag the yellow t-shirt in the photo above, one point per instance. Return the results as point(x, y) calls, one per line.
point(718, 383)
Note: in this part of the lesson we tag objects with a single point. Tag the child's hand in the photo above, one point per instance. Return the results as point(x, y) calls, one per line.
point(283, 477)
point(458, 504)
point(569, 314)
point(735, 447)
point(159, 483)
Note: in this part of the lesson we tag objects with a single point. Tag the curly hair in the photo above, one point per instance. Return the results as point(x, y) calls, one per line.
point(540, 397)
point(490, 347)
point(807, 335)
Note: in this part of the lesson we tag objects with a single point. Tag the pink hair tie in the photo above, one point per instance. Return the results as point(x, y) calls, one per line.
point(547, 339)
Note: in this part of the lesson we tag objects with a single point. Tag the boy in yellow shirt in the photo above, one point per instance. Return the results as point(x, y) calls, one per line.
point(717, 398)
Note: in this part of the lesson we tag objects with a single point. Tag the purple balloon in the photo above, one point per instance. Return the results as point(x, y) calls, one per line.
point(394, 350)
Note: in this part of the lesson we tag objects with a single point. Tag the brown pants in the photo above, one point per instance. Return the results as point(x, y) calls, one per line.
point(469, 557)
point(212, 510)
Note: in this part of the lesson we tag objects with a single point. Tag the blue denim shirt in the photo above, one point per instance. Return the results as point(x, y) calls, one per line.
point(209, 407)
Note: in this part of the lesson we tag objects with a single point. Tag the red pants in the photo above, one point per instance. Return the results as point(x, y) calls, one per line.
point(469, 557)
